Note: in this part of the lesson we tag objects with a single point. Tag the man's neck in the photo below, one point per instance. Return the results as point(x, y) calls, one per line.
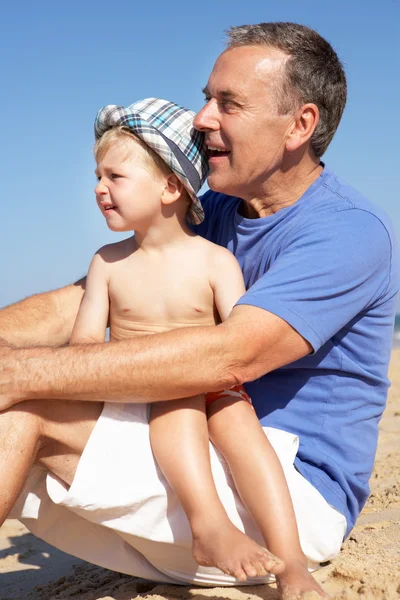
point(282, 189)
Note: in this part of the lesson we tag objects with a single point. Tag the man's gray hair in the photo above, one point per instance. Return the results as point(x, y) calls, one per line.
point(312, 73)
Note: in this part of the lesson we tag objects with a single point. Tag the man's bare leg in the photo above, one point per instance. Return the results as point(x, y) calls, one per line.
point(180, 442)
point(235, 430)
point(52, 434)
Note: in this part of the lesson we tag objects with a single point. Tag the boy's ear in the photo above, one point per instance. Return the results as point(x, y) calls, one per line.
point(172, 190)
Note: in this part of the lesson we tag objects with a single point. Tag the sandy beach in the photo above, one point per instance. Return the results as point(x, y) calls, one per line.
point(367, 568)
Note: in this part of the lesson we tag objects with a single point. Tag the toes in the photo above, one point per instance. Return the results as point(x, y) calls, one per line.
point(236, 572)
point(272, 563)
point(277, 567)
point(250, 570)
point(240, 574)
point(261, 570)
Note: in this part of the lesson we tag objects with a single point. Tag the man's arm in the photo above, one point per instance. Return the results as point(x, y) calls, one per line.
point(44, 319)
point(166, 366)
point(176, 364)
point(91, 322)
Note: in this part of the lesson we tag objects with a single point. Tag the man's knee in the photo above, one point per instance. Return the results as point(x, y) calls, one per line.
point(31, 416)
point(21, 428)
point(56, 422)
point(23, 414)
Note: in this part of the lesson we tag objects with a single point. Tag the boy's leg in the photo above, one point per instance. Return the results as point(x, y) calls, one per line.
point(180, 442)
point(259, 478)
point(51, 433)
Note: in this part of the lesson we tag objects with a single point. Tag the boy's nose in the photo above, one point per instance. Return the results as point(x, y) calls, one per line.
point(100, 188)
point(207, 119)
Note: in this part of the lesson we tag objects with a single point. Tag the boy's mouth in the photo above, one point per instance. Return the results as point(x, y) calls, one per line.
point(109, 207)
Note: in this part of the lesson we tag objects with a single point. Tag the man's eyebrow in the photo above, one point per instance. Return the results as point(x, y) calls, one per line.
point(224, 94)
point(229, 95)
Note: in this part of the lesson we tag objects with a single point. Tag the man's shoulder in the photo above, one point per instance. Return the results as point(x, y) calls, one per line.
point(351, 224)
point(345, 196)
point(334, 204)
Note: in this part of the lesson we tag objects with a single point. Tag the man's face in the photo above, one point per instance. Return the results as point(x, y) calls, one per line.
point(244, 132)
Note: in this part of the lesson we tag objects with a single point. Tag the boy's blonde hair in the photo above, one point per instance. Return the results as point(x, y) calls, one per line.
point(125, 136)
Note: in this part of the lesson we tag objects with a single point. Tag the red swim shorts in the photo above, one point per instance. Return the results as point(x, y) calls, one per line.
point(237, 392)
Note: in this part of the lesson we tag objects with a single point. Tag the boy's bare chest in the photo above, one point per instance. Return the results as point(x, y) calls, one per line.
point(150, 298)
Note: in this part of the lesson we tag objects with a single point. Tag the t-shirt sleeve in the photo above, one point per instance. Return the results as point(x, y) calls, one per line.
point(330, 271)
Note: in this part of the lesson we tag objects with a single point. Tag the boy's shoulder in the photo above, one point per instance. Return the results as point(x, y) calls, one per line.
point(214, 251)
point(117, 250)
point(219, 262)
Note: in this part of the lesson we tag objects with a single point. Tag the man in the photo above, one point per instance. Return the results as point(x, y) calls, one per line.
point(311, 338)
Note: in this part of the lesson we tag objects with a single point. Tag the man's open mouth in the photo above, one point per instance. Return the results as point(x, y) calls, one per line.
point(214, 151)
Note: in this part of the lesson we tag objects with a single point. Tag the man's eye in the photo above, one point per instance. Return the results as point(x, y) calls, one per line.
point(207, 98)
point(228, 104)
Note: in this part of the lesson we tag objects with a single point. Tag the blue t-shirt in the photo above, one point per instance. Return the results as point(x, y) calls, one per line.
point(329, 265)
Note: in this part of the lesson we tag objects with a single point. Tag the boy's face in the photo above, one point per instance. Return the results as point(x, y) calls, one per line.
point(129, 191)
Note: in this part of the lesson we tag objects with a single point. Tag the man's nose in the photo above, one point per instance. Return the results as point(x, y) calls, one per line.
point(208, 118)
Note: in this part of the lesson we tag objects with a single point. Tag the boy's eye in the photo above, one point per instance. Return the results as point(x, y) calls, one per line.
point(115, 176)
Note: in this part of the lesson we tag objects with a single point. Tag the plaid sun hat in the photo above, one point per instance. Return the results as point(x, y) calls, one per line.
point(168, 129)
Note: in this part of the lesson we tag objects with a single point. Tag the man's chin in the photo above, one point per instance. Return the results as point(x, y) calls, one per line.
point(218, 183)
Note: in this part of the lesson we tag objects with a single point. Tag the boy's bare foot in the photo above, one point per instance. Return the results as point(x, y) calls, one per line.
point(234, 553)
point(296, 583)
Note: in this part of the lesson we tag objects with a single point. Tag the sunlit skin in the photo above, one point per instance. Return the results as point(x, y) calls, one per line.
point(128, 191)
point(266, 159)
point(263, 157)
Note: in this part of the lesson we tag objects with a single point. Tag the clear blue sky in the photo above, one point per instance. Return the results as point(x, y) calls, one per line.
point(62, 61)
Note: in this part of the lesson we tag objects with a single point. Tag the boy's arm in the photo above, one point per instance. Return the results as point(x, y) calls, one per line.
point(91, 322)
point(226, 281)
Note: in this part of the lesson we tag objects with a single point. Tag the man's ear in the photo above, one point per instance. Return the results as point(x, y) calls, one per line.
point(172, 190)
point(305, 121)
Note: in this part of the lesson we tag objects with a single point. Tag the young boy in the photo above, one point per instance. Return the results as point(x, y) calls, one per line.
point(150, 165)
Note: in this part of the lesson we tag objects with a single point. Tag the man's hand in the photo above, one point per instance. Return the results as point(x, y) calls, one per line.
point(26, 328)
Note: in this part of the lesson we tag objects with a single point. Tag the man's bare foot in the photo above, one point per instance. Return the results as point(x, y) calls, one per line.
point(234, 553)
point(296, 583)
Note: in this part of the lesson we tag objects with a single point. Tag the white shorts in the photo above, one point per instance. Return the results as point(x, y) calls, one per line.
point(120, 512)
